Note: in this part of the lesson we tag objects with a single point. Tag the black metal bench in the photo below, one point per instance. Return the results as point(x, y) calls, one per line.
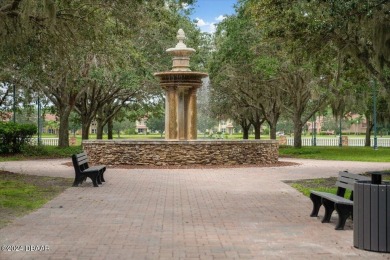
point(331, 202)
point(82, 170)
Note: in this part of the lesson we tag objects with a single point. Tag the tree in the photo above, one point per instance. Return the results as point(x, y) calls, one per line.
point(62, 39)
point(248, 67)
point(232, 74)
point(121, 125)
point(156, 123)
point(359, 28)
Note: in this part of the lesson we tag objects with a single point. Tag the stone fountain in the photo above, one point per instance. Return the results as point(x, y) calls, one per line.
point(180, 85)
point(180, 146)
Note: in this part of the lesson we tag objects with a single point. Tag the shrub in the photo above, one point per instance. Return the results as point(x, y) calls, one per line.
point(13, 136)
point(34, 150)
point(50, 151)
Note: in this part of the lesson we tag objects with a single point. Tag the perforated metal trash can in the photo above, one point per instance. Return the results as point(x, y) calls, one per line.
point(371, 215)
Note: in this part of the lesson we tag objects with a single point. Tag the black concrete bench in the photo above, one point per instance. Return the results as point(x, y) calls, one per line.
point(82, 170)
point(338, 202)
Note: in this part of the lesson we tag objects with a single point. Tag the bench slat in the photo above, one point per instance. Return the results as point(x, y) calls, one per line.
point(82, 161)
point(347, 180)
point(81, 154)
point(337, 199)
point(353, 176)
point(344, 185)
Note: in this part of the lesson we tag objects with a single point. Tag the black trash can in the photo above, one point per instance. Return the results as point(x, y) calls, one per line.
point(371, 214)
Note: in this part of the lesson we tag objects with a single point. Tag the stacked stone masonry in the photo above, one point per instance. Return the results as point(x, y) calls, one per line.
point(197, 152)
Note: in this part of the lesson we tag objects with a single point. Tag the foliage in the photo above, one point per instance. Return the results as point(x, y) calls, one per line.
point(13, 136)
point(356, 28)
point(123, 125)
point(156, 123)
point(87, 56)
point(43, 152)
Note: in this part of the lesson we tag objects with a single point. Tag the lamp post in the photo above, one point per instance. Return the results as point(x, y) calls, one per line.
point(315, 130)
point(14, 105)
point(312, 131)
point(374, 104)
point(39, 121)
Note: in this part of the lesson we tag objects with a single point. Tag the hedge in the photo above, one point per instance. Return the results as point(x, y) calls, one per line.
point(13, 136)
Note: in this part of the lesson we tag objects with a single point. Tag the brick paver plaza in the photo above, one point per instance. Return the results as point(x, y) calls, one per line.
point(224, 213)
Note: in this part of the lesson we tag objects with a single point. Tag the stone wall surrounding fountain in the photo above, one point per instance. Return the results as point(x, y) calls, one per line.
point(199, 152)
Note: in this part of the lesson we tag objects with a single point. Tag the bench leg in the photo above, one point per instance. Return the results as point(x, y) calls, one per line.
point(78, 180)
point(94, 177)
point(76, 183)
point(329, 208)
point(344, 212)
point(94, 180)
point(102, 176)
point(316, 204)
point(98, 178)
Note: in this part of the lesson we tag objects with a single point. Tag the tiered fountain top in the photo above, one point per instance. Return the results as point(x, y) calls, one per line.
point(181, 54)
point(181, 74)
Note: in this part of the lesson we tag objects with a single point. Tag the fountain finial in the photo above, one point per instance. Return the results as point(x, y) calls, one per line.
point(181, 54)
point(181, 36)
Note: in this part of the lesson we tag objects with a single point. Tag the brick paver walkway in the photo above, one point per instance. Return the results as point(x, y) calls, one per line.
point(231, 213)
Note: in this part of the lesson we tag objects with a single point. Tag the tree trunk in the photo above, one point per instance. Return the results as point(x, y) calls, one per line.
point(63, 132)
point(370, 125)
point(246, 125)
point(99, 131)
point(257, 121)
point(298, 125)
point(110, 129)
point(99, 125)
point(367, 142)
point(245, 133)
point(257, 127)
point(85, 131)
point(272, 130)
point(297, 137)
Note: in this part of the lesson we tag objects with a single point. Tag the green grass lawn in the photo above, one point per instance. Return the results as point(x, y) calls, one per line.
point(20, 194)
point(363, 154)
point(321, 184)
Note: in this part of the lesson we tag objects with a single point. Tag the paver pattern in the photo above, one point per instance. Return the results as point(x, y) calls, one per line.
point(224, 213)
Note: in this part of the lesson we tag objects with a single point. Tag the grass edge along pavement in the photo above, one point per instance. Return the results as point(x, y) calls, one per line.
point(42, 152)
point(21, 194)
point(345, 153)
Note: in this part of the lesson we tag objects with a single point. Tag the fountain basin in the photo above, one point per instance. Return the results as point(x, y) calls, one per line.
point(181, 153)
point(180, 78)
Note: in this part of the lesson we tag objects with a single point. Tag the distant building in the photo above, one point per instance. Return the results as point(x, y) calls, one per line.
point(51, 126)
point(359, 125)
point(226, 126)
point(140, 126)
